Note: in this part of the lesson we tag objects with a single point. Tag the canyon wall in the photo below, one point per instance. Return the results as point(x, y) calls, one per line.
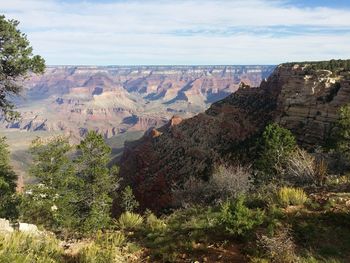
point(303, 100)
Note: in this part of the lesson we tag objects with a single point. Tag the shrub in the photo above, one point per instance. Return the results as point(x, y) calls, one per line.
point(230, 181)
point(279, 248)
point(274, 147)
point(225, 183)
point(95, 253)
point(300, 168)
point(291, 196)
point(238, 219)
point(321, 171)
point(36, 206)
point(115, 239)
point(18, 247)
point(343, 131)
point(129, 221)
point(105, 247)
point(153, 223)
point(129, 203)
point(193, 191)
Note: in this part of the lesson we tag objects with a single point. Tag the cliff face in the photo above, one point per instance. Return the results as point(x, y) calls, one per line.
point(308, 103)
point(301, 100)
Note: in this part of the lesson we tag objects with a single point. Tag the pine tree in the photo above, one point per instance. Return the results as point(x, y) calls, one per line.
point(16, 61)
point(98, 184)
point(276, 144)
point(8, 179)
point(52, 201)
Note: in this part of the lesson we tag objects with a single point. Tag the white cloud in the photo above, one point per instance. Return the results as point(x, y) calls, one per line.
point(180, 32)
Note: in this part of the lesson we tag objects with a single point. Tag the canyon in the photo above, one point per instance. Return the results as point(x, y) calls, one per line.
point(298, 96)
point(113, 100)
point(119, 102)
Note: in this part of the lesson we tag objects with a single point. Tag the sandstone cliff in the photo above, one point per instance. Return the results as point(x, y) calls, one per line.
point(300, 98)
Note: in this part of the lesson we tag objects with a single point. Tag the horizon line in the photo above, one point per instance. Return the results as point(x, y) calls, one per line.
point(157, 65)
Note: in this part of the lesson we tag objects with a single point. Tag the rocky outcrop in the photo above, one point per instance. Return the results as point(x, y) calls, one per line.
point(6, 227)
point(189, 147)
point(302, 100)
point(309, 102)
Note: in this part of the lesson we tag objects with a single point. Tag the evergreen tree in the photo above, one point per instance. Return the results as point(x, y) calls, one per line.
point(98, 183)
point(52, 202)
point(275, 146)
point(16, 60)
point(342, 135)
point(8, 179)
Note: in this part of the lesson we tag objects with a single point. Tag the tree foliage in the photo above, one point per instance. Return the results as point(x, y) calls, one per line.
point(342, 137)
point(8, 180)
point(334, 65)
point(75, 188)
point(275, 146)
point(128, 202)
point(16, 61)
point(52, 202)
point(98, 182)
point(238, 219)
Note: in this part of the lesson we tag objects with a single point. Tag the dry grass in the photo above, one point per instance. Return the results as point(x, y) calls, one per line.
point(291, 196)
point(19, 247)
point(279, 248)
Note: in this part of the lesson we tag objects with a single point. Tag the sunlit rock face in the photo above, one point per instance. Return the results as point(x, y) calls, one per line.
point(114, 100)
point(302, 100)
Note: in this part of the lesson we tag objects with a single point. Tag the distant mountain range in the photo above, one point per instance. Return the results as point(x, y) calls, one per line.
point(116, 99)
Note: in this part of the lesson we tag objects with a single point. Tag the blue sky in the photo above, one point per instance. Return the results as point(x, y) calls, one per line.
point(122, 32)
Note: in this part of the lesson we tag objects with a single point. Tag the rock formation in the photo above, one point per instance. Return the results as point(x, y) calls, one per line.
point(302, 100)
point(113, 100)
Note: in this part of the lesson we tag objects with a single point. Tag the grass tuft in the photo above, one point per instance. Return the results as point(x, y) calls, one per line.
point(291, 196)
point(130, 221)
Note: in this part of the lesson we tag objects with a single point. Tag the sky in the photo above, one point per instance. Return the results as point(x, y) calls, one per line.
point(183, 32)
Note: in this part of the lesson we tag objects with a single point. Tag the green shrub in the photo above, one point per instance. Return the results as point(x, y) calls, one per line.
point(129, 203)
point(8, 180)
point(274, 148)
point(153, 223)
point(23, 248)
point(340, 140)
point(238, 219)
point(115, 239)
point(130, 221)
point(95, 253)
point(105, 247)
point(291, 196)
